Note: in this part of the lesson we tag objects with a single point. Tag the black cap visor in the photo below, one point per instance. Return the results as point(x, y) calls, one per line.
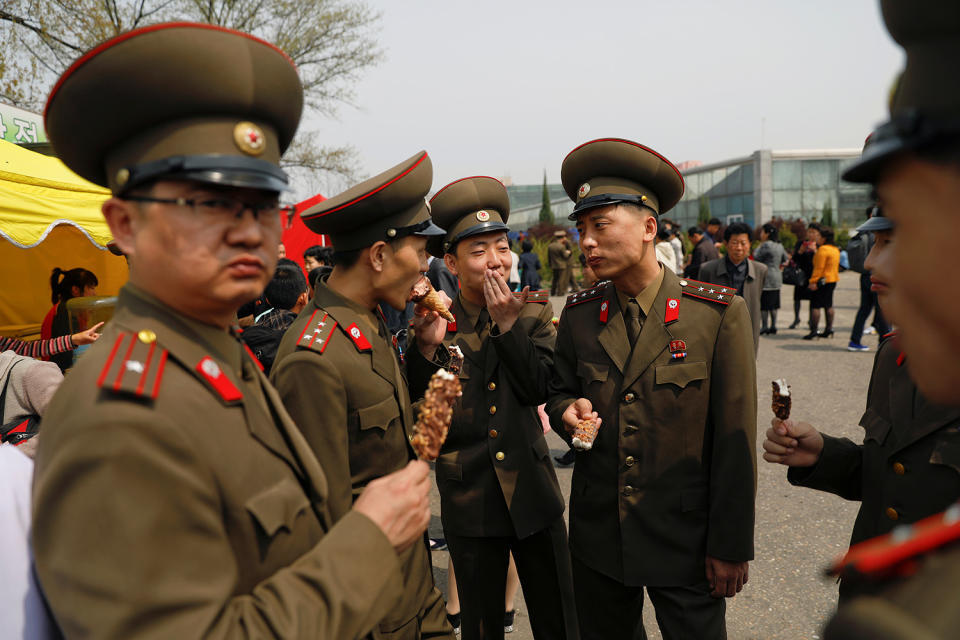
point(228, 171)
point(905, 132)
point(605, 199)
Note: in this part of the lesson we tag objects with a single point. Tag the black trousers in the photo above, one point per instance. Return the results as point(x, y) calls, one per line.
point(609, 609)
point(868, 302)
point(543, 564)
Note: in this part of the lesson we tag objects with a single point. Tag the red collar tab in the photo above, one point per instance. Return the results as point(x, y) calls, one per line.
point(213, 374)
point(672, 312)
point(252, 355)
point(359, 340)
point(901, 359)
point(604, 311)
point(452, 326)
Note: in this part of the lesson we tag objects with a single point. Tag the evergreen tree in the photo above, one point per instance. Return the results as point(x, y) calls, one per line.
point(826, 217)
point(704, 214)
point(546, 213)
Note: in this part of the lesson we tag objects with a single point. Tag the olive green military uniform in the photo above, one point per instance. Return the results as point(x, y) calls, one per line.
point(924, 111)
point(174, 498)
point(498, 488)
point(558, 255)
point(339, 377)
point(671, 477)
point(908, 466)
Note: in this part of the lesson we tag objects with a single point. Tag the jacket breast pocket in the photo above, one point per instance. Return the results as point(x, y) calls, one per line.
point(592, 371)
point(875, 427)
point(681, 374)
point(380, 415)
point(278, 507)
point(947, 450)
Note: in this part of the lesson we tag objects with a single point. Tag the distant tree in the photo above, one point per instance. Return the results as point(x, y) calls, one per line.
point(826, 215)
point(331, 41)
point(546, 213)
point(703, 215)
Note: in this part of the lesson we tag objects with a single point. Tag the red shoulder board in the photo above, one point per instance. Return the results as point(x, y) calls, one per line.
point(135, 365)
point(316, 333)
point(894, 554)
point(593, 293)
point(541, 296)
point(359, 340)
point(706, 291)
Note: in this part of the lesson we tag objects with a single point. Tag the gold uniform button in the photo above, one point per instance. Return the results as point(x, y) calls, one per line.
point(629, 397)
point(492, 386)
point(892, 513)
point(493, 433)
point(500, 456)
point(630, 430)
point(630, 460)
point(493, 409)
point(146, 336)
point(899, 469)
point(628, 490)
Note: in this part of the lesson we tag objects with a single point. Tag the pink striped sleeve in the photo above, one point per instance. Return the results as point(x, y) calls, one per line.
point(37, 348)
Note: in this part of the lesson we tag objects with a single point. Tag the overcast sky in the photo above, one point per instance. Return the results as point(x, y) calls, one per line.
point(507, 88)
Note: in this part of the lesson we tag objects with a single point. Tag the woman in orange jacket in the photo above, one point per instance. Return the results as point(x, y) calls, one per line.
point(823, 280)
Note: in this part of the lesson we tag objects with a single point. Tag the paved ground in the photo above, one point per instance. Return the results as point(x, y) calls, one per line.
point(798, 530)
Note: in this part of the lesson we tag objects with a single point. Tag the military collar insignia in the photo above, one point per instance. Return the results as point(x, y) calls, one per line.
point(359, 340)
point(706, 291)
point(678, 349)
point(452, 326)
point(317, 332)
point(210, 371)
point(604, 311)
point(672, 312)
point(593, 293)
point(135, 365)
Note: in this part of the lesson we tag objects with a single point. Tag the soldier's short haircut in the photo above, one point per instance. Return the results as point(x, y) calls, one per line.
point(285, 287)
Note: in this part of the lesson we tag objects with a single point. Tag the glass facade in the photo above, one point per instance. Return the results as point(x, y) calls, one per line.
point(799, 187)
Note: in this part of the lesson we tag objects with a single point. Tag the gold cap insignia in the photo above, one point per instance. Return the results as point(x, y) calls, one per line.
point(584, 190)
point(249, 138)
point(483, 216)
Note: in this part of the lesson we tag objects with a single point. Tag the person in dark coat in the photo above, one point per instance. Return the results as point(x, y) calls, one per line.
point(529, 267)
point(703, 251)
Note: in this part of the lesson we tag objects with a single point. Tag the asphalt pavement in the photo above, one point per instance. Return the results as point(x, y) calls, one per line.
point(798, 531)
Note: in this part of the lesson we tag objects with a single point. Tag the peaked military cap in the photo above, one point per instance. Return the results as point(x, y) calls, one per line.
point(385, 207)
point(925, 100)
point(177, 100)
point(612, 170)
point(468, 207)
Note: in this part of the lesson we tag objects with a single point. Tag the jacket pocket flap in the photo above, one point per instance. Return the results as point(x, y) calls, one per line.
point(681, 374)
point(379, 415)
point(876, 426)
point(447, 470)
point(947, 450)
point(278, 506)
point(592, 372)
point(693, 499)
point(540, 448)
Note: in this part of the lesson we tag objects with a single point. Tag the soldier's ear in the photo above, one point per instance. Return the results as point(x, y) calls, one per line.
point(451, 262)
point(377, 255)
point(650, 228)
point(122, 217)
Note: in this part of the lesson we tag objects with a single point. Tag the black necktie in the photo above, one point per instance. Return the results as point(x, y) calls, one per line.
point(633, 321)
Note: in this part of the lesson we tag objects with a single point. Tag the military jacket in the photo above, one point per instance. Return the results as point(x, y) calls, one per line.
point(339, 377)
point(671, 477)
point(557, 255)
point(175, 498)
point(908, 466)
point(494, 472)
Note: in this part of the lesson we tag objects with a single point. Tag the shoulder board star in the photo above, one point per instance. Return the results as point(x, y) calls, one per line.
point(705, 291)
point(593, 293)
point(541, 296)
point(317, 332)
point(135, 366)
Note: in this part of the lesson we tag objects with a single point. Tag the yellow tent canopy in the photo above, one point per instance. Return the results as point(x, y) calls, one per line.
point(49, 217)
